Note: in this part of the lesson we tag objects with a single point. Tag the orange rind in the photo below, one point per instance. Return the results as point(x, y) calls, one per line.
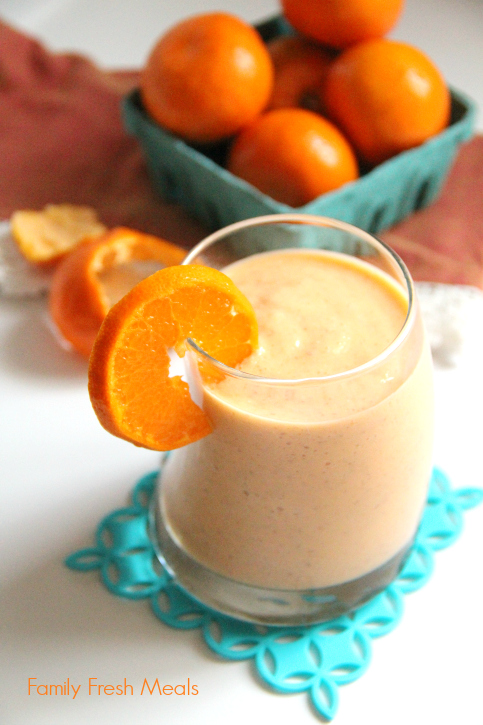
point(44, 237)
point(130, 386)
point(96, 274)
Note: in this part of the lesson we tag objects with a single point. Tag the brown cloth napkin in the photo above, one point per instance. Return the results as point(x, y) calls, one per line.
point(444, 242)
point(62, 140)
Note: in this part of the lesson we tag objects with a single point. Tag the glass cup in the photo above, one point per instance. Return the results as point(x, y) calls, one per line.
point(304, 501)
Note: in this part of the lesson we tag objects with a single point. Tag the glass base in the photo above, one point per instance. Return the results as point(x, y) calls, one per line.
point(277, 607)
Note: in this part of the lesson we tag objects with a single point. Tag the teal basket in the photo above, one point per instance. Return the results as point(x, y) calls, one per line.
point(195, 178)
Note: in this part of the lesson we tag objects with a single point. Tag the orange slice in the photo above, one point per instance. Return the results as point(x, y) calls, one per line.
point(97, 273)
point(129, 384)
point(43, 237)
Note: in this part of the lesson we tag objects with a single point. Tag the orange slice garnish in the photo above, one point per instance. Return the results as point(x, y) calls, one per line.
point(44, 237)
point(97, 273)
point(129, 384)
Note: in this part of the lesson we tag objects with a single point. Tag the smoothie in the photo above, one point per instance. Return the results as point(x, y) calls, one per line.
point(314, 477)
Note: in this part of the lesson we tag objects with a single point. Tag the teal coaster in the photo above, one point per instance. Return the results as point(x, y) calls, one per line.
point(316, 658)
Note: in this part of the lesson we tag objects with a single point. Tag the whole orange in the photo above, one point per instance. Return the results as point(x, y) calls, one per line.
point(207, 77)
point(293, 155)
point(340, 23)
point(387, 97)
point(300, 67)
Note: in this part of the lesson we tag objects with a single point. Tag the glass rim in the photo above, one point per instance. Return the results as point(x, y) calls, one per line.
point(320, 221)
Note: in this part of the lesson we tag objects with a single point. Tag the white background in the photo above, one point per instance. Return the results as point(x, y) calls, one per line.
point(61, 473)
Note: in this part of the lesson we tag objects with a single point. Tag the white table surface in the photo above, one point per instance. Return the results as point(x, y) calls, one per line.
point(61, 472)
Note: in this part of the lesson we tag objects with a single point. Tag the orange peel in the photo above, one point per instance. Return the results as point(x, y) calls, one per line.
point(94, 275)
point(44, 237)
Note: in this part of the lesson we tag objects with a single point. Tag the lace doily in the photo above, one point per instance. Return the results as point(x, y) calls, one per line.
point(453, 317)
point(19, 278)
point(316, 658)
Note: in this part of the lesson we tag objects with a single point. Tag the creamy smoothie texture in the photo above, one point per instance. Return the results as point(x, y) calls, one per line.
point(312, 483)
point(318, 313)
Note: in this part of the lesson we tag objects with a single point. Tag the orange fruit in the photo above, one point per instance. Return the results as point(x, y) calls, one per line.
point(43, 237)
point(300, 68)
point(293, 155)
point(129, 384)
point(207, 77)
point(387, 97)
point(340, 23)
point(96, 274)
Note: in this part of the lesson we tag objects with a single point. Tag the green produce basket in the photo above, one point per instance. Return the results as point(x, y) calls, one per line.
point(195, 178)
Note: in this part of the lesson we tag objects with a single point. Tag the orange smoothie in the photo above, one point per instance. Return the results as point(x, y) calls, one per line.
point(319, 475)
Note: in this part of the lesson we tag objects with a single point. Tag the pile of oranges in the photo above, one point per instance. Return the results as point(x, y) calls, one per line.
point(304, 112)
